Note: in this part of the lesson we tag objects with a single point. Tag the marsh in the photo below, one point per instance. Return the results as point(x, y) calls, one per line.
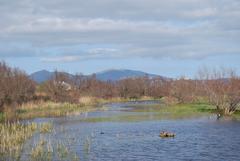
point(130, 131)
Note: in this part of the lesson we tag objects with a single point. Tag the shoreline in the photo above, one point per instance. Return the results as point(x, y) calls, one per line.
point(54, 109)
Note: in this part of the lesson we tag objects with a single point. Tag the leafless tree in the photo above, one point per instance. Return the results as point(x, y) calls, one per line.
point(58, 88)
point(184, 90)
point(222, 88)
point(15, 86)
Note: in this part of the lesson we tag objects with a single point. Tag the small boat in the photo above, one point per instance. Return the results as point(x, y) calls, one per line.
point(164, 134)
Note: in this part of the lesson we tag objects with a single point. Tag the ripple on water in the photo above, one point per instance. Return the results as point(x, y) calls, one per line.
point(196, 139)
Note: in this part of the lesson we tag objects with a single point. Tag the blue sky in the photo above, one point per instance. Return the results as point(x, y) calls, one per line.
point(172, 38)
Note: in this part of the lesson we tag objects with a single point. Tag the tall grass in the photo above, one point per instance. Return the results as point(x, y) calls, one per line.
point(50, 109)
point(47, 151)
point(38, 109)
point(53, 109)
point(45, 127)
point(12, 138)
point(41, 153)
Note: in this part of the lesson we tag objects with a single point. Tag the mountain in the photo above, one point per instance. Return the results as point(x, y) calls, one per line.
point(44, 75)
point(116, 74)
point(41, 76)
point(113, 75)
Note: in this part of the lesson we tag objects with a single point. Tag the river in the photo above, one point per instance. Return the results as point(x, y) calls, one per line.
point(123, 132)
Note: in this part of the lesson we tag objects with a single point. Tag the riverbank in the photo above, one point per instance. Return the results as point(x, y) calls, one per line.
point(135, 123)
point(190, 110)
point(158, 112)
point(136, 111)
point(41, 109)
point(88, 104)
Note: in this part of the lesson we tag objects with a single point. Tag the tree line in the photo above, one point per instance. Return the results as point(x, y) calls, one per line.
point(220, 88)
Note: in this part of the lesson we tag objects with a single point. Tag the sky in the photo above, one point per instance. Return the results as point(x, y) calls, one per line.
point(168, 37)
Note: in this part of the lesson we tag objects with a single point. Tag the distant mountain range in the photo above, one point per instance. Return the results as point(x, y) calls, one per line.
point(41, 76)
point(113, 75)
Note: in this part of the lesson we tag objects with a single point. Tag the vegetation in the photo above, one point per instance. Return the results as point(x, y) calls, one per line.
point(40, 152)
point(158, 112)
point(14, 135)
point(15, 87)
point(47, 151)
point(45, 128)
point(216, 91)
point(49, 109)
point(2, 117)
point(54, 109)
point(12, 138)
point(222, 88)
point(22, 98)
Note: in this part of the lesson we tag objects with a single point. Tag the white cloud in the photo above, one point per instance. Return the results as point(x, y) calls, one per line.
point(94, 53)
point(61, 59)
point(136, 28)
point(56, 24)
point(201, 13)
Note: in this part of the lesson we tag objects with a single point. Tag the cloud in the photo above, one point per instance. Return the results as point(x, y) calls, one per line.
point(206, 12)
point(65, 31)
point(61, 59)
point(94, 53)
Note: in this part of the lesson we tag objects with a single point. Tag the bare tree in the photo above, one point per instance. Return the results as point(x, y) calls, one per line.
point(15, 86)
point(184, 90)
point(222, 88)
point(59, 88)
point(159, 87)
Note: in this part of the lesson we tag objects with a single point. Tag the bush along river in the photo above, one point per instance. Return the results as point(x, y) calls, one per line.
point(131, 131)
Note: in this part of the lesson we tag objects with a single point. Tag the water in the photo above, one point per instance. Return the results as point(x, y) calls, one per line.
point(94, 136)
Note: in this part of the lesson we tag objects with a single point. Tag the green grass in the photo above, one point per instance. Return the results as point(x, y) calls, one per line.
point(195, 108)
point(2, 117)
point(158, 112)
point(236, 115)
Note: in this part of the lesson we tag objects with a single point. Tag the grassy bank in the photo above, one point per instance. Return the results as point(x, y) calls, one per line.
point(50, 109)
point(13, 136)
point(176, 108)
point(53, 109)
point(95, 101)
point(158, 112)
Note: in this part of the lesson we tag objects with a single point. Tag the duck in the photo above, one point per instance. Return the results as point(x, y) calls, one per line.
point(218, 116)
point(165, 134)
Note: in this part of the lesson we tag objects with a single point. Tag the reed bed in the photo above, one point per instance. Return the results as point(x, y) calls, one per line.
point(50, 109)
point(12, 138)
point(39, 109)
point(45, 127)
point(47, 151)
